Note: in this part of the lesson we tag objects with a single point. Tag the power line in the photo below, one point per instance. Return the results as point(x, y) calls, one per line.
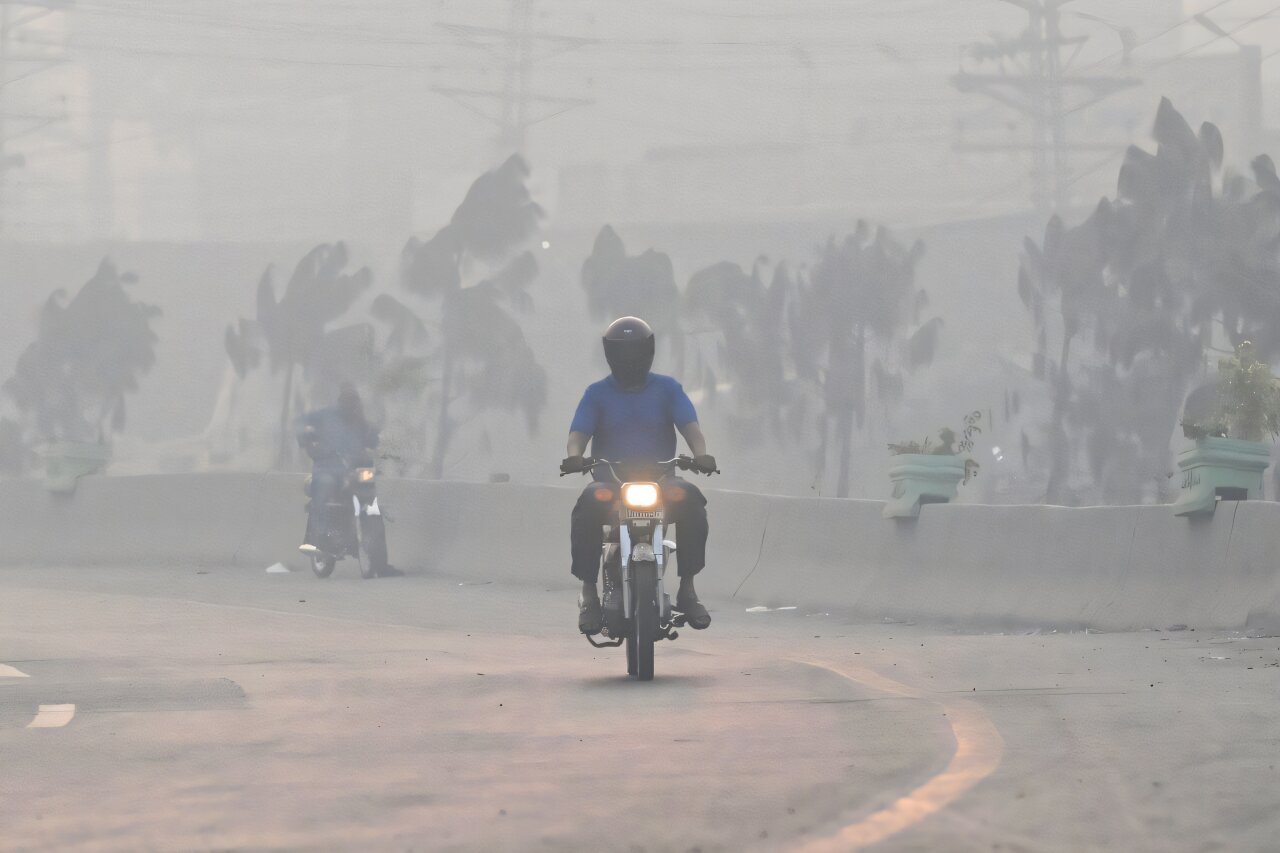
point(1036, 90)
point(1248, 23)
point(1128, 50)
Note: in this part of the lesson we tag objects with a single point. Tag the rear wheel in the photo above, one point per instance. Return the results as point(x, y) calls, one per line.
point(645, 628)
point(322, 565)
point(373, 546)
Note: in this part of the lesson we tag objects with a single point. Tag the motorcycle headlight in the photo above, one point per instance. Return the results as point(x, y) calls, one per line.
point(364, 475)
point(640, 495)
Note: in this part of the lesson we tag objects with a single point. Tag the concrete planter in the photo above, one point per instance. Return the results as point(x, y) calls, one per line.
point(1225, 468)
point(922, 478)
point(68, 461)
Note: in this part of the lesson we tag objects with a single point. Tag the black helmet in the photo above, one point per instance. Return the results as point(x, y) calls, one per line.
point(349, 403)
point(628, 347)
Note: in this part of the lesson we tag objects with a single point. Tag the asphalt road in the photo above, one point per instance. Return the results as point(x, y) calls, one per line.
point(233, 709)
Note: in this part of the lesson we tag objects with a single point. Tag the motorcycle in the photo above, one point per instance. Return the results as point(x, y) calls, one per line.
point(636, 608)
point(350, 525)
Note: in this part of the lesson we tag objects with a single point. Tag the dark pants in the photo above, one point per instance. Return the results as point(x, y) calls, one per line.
point(326, 488)
point(686, 508)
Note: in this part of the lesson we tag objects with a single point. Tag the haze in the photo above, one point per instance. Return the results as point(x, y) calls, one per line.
point(978, 303)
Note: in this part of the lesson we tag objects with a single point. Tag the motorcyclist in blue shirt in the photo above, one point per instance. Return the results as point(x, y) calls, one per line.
point(337, 438)
point(633, 415)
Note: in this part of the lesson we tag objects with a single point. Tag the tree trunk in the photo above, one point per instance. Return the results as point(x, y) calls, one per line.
point(852, 408)
point(444, 426)
point(820, 456)
point(844, 435)
point(285, 457)
point(1059, 442)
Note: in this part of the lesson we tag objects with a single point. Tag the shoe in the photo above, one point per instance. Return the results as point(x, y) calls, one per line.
point(308, 548)
point(695, 613)
point(590, 619)
point(390, 572)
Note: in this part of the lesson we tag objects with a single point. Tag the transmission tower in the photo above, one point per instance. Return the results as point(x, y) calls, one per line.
point(518, 47)
point(18, 62)
point(1033, 78)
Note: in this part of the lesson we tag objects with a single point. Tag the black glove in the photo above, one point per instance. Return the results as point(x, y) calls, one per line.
point(705, 464)
point(573, 465)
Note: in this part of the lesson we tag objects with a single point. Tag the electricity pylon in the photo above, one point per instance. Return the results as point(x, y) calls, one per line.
point(1034, 79)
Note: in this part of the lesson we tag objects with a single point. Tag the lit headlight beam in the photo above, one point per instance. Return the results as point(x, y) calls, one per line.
point(640, 495)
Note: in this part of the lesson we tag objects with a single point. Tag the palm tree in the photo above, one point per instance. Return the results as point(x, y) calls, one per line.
point(482, 356)
point(1124, 305)
point(295, 330)
point(89, 353)
point(747, 320)
point(858, 316)
point(644, 285)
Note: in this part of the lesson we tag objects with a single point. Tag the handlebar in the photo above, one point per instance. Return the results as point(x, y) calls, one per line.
point(683, 462)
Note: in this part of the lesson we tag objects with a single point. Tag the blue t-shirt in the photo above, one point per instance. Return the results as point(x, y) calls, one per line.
point(637, 425)
point(337, 440)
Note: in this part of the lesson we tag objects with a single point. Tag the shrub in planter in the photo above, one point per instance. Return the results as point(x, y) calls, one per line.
point(924, 472)
point(1230, 452)
point(70, 383)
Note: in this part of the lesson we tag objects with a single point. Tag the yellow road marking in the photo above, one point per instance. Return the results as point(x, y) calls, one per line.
point(979, 749)
point(11, 672)
point(52, 717)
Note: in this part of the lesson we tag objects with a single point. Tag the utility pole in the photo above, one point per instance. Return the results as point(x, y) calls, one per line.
point(16, 66)
point(1033, 78)
point(518, 47)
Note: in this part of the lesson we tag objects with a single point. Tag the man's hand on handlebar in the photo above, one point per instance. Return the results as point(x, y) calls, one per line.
point(573, 465)
point(703, 463)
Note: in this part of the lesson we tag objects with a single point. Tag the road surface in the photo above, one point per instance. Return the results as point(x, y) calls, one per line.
point(185, 708)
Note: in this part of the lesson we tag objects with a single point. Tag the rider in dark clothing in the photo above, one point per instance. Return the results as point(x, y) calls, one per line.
point(632, 416)
point(337, 438)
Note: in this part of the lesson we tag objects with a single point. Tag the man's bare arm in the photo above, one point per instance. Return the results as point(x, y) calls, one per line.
point(577, 445)
point(694, 438)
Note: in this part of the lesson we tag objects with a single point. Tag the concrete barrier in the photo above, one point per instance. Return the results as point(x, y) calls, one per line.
point(1112, 568)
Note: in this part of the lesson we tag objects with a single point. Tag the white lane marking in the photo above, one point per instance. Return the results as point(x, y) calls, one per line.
point(11, 672)
point(52, 717)
point(979, 749)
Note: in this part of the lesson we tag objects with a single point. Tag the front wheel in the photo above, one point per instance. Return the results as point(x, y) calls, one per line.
point(645, 625)
point(373, 546)
point(322, 565)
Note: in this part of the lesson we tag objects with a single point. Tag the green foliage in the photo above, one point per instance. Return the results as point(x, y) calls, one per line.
point(620, 285)
point(296, 331)
point(802, 354)
point(474, 276)
point(1195, 430)
point(947, 445)
point(319, 292)
point(925, 445)
point(1126, 302)
point(858, 316)
point(1249, 395)
point(88, 355)
point(738, 324)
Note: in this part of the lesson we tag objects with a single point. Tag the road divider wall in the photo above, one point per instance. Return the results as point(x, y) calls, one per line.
point(998, 567)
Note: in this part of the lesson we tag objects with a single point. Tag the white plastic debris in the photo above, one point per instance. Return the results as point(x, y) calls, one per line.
point(278, 569)
point(768, 609)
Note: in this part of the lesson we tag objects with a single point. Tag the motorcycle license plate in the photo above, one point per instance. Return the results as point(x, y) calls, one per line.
point(631, 513)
